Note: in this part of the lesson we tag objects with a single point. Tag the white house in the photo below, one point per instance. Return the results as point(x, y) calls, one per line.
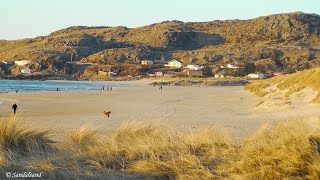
point(112, 74)
point(219, 76)
point(194, 67)
point(256, 76)
point(232, 66)
point(146, 62)
point(22, 62)
point(174, 64)
point(25, 71)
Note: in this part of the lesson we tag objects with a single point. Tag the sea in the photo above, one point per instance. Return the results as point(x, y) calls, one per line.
point(7, 86)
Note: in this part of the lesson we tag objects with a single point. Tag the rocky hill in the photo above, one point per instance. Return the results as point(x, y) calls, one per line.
point(278, 42)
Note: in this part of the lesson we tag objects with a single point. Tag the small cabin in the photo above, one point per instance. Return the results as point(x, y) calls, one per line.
point(157, 74)
point(112, 74)
point(219, 76)
point(194, 72)
point(22, 62)
point(25, 71)
point(194, 67)
point(146, 62)
point(279, 73)
point(256, 76)
point(174, 64)
point(232, 66)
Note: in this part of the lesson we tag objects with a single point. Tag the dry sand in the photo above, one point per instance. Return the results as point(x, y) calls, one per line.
point(183, 108)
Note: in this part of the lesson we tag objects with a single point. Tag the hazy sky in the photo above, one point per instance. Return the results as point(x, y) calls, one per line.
point(31, 18)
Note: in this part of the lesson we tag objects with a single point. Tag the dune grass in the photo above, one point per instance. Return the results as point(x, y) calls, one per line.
point(289, 150)
point(291, 83)
point(21, 141)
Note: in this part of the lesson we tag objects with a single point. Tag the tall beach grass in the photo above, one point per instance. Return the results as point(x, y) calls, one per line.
point(289, 150)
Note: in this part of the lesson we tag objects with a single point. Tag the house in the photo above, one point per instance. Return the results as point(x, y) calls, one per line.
point(194, 72)
point(157, 73)
point(219, 76)
point(194, 67)
point(146, 62)
point(8, 63)
point(279, 73)
point(232, 66)
point(112, 74)
point(21, 62)
point(174, 64)
point(25, 71)
point(256, 76)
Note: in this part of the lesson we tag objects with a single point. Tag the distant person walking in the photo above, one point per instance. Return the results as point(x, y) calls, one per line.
point(17, 91)
point(107, 88)
point(14, 107)
point(111, 88)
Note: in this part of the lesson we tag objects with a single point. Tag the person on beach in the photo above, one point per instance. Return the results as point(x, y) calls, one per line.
point(111, 88)
point(14, 107)
point(107, 88)
point(103, 87)
point(17, 91)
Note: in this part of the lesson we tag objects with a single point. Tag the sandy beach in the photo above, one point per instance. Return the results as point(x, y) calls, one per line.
point(183, 108)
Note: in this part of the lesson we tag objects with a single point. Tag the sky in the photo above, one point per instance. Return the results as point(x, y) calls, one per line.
point(32, 18)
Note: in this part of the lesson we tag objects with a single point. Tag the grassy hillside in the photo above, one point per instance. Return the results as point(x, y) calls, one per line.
point(286, 151)
point(291, 83)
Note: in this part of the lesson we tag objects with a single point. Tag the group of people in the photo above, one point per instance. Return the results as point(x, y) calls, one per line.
point(108, 88)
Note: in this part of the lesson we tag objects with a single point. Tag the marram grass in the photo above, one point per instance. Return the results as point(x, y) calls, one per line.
point(289, 150)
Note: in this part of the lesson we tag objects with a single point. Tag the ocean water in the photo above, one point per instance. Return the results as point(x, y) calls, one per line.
point(32, 86)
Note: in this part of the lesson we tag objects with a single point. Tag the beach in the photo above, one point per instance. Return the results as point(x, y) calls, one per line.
point(183, 108)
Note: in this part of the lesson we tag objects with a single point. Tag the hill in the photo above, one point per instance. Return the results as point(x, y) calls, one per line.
point(272, 43)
